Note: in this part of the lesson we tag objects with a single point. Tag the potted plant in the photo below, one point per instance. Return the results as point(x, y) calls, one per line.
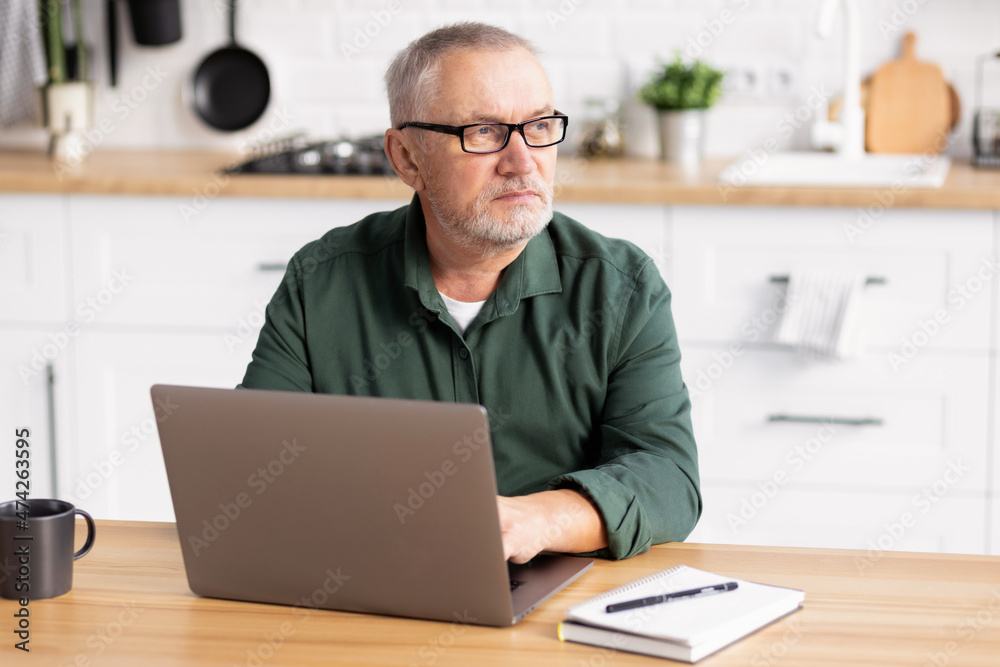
point(66, 101)
point(681, 92)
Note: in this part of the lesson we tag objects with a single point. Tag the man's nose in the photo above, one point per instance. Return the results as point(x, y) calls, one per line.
point(516, 157)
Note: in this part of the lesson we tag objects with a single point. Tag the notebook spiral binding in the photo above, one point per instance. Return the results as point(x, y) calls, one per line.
point(632, 585)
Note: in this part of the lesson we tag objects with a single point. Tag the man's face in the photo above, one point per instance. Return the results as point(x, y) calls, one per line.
point(494, 201)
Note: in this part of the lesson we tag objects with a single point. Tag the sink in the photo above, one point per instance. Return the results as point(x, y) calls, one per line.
point(835, 170)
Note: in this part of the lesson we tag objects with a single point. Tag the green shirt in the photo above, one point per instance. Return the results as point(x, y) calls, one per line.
point(574, 356)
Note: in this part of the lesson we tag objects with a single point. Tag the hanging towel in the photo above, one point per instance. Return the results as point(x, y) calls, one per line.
point(824, 313)
point(22, 60)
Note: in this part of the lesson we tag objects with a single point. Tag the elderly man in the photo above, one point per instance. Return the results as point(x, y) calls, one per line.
point(477, 292)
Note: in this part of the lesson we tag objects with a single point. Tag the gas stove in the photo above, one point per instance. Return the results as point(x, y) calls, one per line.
point(295, 155)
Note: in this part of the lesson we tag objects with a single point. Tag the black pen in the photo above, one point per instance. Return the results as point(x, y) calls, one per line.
point(670, 597)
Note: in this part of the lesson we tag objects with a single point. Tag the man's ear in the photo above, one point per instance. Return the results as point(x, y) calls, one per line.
point(404, 159)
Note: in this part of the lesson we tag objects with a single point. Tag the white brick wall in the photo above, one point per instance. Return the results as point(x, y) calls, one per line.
point(592, 47)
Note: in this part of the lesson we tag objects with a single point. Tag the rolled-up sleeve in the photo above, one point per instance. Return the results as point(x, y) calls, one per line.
point(645, 483)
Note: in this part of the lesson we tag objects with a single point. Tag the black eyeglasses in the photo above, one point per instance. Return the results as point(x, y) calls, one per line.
point(482, 138)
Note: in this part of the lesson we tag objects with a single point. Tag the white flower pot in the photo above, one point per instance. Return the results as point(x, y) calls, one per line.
point(682, 136)
point(67, 111)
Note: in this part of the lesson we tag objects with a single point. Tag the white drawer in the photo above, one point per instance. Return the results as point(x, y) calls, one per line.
point(930, 261)
point(28, 400)
point(737, 514)
point(932, 414)
point(33, 260)
point(118, 468)
point(140, 262)
point(643, 225)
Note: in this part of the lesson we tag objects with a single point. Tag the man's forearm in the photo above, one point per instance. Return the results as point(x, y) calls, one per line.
point(560, 520)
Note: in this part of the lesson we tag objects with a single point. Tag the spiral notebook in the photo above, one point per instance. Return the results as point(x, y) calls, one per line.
point(684, 629)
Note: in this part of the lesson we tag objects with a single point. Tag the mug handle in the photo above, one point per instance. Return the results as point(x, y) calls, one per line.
point(91, 533)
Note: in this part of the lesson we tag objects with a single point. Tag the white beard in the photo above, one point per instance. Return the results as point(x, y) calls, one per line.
point(478, 229)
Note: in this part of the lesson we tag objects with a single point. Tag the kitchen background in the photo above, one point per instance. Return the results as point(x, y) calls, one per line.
point(326, 59)
point(110, 283)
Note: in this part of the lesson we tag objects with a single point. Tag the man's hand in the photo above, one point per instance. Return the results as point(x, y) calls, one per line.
point(562, 520)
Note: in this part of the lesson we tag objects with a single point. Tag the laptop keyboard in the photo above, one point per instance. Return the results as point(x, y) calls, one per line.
point(514, 584)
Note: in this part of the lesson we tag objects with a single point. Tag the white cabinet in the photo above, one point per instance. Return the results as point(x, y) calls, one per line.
point(168, 299)
point(806, 452)
point(143, 264)
point(802, 516)
point(34, 266)
point(802, 454)
point(644, 225)
point(34, 399)
point(929, 261)
point(843, 425)
point(119, 467)
point(36, 339)
point(115, 294)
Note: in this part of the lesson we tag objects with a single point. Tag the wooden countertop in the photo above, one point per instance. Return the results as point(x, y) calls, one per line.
point(600, 181)
point(130, 605)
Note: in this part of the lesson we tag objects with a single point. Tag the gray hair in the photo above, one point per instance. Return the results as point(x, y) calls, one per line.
point(411, 80)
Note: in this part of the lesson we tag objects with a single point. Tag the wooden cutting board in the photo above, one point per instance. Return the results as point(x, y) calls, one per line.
point(837, 104)
point(909, 106)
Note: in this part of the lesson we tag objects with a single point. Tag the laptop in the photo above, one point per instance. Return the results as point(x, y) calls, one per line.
point(373, 505)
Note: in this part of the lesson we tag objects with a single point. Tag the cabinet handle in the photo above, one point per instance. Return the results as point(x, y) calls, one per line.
point(870, 280)
point(272, 266)
point(50, 395)
point(848, 421)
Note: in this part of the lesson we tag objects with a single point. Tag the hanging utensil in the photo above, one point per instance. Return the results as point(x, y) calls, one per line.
point(112, 34)
point(155, 22)
point(230, 88)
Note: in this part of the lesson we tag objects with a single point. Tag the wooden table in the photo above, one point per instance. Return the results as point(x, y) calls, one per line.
point(131, 606)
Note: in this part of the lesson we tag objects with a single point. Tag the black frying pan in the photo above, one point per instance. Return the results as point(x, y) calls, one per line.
point(230, 88)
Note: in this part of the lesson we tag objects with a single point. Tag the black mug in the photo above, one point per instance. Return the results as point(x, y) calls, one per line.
point(36, 547)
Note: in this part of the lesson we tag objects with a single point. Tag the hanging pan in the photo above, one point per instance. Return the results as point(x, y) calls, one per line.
point(230, 88)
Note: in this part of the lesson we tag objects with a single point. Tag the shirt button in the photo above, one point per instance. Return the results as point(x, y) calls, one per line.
point(463, 354)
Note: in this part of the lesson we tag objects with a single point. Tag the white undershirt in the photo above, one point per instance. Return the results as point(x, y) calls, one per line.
point(463, 312)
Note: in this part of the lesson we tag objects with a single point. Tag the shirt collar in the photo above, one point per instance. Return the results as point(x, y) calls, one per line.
point(534, 271)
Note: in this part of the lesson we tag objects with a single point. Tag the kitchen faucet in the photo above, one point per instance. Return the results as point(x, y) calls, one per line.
point(848, 136)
